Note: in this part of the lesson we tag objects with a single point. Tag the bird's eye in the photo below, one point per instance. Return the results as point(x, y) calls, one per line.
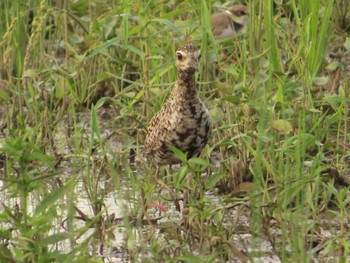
point(179, 56)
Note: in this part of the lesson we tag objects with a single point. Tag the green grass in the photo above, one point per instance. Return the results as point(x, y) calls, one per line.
point(79, 81)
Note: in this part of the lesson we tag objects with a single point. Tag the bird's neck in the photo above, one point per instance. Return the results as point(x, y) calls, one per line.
point(186, 83)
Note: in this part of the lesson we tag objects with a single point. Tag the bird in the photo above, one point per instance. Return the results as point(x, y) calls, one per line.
point(230, 23)
point(183, 121)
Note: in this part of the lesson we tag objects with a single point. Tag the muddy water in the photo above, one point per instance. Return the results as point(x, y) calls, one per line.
point(115, 239)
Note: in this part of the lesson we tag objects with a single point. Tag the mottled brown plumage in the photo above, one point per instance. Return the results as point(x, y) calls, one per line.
point(230, 23)
point(184, 120)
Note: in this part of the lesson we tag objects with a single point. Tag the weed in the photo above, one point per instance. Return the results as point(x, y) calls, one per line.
point(79, 81)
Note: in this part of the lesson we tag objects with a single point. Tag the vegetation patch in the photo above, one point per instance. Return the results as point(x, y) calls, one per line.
point(80, 81)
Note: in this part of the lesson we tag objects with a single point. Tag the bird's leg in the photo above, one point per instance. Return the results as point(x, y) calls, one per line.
point(165, 185)
point(174, 195)
point(171, 193)
point(186, 199)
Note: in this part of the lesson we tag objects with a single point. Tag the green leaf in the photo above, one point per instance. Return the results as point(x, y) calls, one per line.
point(102, 101)
point(282, 126)
point(75, 39)
point(347, 44)
point(94, 126)
point(134, 49)
point(168, 23)
point(315, 110)
point(335, 65)
point(101, 48)
point(232, 99)
point(39, 156)
point(213, 179)
point(181, 155)
point(199, 161)
point(55, 238)
point(51, 198)
point(5, 234)
point(320, 81)
point(5, 253)
point(181, 173)
point(30, 73)
point(261, 78)
point(5, 95)
point(4, 217)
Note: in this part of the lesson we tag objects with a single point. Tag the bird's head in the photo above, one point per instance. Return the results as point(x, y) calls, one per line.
point(187, 58)
point(239, 14)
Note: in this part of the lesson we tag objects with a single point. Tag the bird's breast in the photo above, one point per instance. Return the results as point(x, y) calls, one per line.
point(191, 127)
